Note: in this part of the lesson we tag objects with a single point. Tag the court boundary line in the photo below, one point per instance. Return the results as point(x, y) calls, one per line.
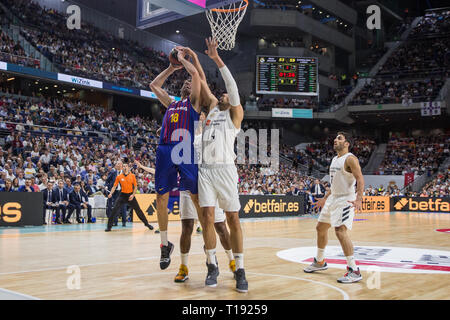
point(18, 294)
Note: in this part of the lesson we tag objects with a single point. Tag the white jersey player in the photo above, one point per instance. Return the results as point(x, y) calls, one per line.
point(338, 207)
point(218, 178)
point(188, 215)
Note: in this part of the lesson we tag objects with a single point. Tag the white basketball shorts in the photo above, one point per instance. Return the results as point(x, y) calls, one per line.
point(337, 211)
point(188, 210)
point(219, 182)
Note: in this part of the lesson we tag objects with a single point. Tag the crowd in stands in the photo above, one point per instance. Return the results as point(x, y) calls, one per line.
point(368, 62)
point(72, 144)
point(70, 116)
point(419, 58)
point(418, 155)
point(391, 190)
point(11, 51)
point(424, 57)
point(324, 152)
point(439, 186)
point(382, 91)
point(336, 96)
point(432, 24)
point(90, 52)
point(425, 53)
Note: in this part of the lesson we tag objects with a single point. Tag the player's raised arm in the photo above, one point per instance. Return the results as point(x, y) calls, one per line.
point(236, 111)
point(353, 164)
point(195, 83)
point(147, 169)
point(207, 98)
point(157, 83)
point(195, 61)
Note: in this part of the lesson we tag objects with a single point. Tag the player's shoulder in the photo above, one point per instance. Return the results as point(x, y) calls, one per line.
point(351, 158)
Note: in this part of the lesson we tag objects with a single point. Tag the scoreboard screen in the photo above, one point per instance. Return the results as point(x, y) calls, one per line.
point(287, 75)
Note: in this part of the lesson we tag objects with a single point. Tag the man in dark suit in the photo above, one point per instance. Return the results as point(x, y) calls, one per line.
point(49, 199)
point(317, 190)
point(90, 187)
point(111, 201)
point(292, 191)
point(62, 201)
point(77, 201)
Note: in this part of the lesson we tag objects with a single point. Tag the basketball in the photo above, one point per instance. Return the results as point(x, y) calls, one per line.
point(173, 57)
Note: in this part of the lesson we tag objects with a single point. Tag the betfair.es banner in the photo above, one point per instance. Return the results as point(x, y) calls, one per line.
point(19, 209)
point(375, 204)
point(271, 206)
point(147, 202)
point(420, 204)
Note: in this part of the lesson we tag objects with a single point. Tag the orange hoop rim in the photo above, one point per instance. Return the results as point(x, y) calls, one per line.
point(232, 10)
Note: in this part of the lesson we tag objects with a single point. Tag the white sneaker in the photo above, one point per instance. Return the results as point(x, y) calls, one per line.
point(351, 276)
point(316, 266)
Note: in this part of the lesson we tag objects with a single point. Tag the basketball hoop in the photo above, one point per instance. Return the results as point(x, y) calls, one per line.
point(224, 22)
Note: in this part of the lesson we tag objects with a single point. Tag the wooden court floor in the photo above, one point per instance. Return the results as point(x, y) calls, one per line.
point(47, 262)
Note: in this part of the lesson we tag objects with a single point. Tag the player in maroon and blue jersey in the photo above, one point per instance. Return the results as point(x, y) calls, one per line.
point(177, 136)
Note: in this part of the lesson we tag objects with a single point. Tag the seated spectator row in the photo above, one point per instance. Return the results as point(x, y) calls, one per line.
point(382, 91)
point(324, 152)
point(337, 96)
point(432, 24)
point(70, 114)
point(11, 51)
point(419, 58)
point(418, 155)
point(439, 186)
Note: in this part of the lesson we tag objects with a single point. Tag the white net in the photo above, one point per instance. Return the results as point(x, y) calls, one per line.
point(225, 21)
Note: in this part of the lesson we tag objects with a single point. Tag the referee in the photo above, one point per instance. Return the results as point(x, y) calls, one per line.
point(128, 185)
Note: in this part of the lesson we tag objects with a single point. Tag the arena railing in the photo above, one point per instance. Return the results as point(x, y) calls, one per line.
point(20, 60)
point(47, 130)
point(417, 74)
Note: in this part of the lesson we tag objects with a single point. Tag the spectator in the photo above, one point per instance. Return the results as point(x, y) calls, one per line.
point(78, 201)
point(27, 187)
point(50, 202)
point(62, 201)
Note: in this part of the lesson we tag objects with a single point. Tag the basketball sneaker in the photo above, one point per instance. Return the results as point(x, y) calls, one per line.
point(241, 282)
point(166, 251)
point(351, 276)
point(213, 273)
point(182, 275)
point(316, 266)
point(199, 230)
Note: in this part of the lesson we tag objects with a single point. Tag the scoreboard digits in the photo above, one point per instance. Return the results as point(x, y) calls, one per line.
point(287, 75)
